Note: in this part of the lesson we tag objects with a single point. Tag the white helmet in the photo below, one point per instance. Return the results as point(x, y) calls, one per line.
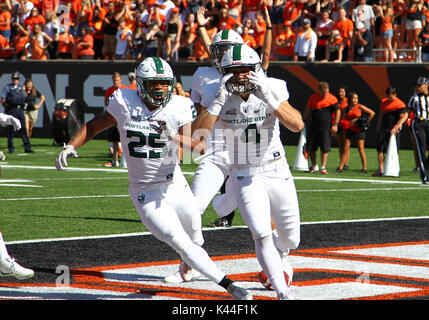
point(154, 69)
point(240, 55)
point(221, 42)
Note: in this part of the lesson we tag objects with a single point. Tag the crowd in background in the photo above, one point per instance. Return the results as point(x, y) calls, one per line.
point(311, 30)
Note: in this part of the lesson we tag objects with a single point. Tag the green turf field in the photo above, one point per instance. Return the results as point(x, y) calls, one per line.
point(39, 203)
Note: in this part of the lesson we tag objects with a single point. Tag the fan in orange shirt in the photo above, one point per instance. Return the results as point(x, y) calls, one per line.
point(34, 18)
point(285, 43)
point(345, 26)
point(260, 27)
point(248, 38)
point(226, 21)
point(65, 44)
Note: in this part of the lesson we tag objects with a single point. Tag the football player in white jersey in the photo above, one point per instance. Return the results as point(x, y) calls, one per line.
point(214, 164)
point(151, 122)
point(249, 114)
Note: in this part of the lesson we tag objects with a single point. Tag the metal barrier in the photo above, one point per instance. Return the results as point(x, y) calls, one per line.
point(405, 55)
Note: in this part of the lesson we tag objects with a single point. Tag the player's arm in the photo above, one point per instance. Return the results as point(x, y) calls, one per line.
point(202, 22)
point(266, 49)
point(402, 119)
point(185, 139)
point(289, 117)
point(87, 132)
point(203, 124)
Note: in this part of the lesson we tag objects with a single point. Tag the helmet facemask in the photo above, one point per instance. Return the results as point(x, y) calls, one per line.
point(240, 60)
point(155, 97)
point(217, 51)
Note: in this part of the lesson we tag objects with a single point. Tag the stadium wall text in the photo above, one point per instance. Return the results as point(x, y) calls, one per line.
point(88, 80)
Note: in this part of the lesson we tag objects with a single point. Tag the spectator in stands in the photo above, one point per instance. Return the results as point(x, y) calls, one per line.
point(33, 101)
point(19, 40)
point(83, 16)
point(34, 18)
point(413, 22)
point(65, 44)
point(234, 8)
point(173, 33)
point(24, 10)
point(39, 42)
point(84, 45)
point(251, 7)
point(323, 31)
point(311, 10)
point(110, 27)
point(260, 28)
point(52, 29)
point(226, 21)
point(292, 12)
point(353, 113)
point(364, 13)
point(424, 43)
point(398, 25)
point(393, 114)
point(49, 5)
point(137, 42)
point(386, 31)
point(325, 6)
point(248, 38)
point(306, 42)
point(276, 16)
point(123, 40)
point(285, 43)
point(334, 47)
point(5, 21)
point(96, 24)
point(363, 41)
point(345, 26)
point(188, 37)
point(318, 115)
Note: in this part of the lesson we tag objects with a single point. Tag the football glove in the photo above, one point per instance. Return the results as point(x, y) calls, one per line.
point(163, 127)
point(221, 96)
point(263, 90)
point(61, 161)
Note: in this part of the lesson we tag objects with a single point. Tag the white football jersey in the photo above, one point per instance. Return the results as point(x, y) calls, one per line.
point(150, 159)
point(251, 131)
point(205, 82)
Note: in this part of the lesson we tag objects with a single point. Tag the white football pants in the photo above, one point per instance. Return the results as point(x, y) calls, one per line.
point(263, 193)
point(208, 179)
point(170, 213)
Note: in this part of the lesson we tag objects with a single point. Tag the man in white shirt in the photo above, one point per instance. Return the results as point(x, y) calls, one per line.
point(306, 43)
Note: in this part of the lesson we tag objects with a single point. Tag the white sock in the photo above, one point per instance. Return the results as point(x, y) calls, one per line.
point(3, 250)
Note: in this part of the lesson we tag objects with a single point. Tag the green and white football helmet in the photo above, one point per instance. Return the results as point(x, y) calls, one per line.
point(154, 69)
point(240, 56)
point(223, 40)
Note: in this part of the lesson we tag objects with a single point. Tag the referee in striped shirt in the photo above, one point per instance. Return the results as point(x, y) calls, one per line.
point(419, 104)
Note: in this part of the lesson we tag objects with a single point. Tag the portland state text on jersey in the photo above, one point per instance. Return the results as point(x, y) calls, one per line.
point(248, 119)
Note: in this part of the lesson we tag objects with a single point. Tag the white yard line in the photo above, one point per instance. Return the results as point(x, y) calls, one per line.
point(205, 229)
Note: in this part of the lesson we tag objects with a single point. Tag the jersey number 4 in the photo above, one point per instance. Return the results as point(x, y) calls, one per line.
point(143, 141)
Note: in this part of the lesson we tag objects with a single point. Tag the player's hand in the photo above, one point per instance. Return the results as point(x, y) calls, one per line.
point(61, 161)
point(221, 96)
point(263, 91)
point(201, 19)
point(12, 121)
point(163, 127)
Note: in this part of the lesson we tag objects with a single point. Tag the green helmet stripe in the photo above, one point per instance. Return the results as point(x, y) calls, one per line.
point(158, 65)
point(224, 34)
point(236, 53)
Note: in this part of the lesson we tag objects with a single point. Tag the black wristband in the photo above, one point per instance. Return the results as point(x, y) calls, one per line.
point(269, 28)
